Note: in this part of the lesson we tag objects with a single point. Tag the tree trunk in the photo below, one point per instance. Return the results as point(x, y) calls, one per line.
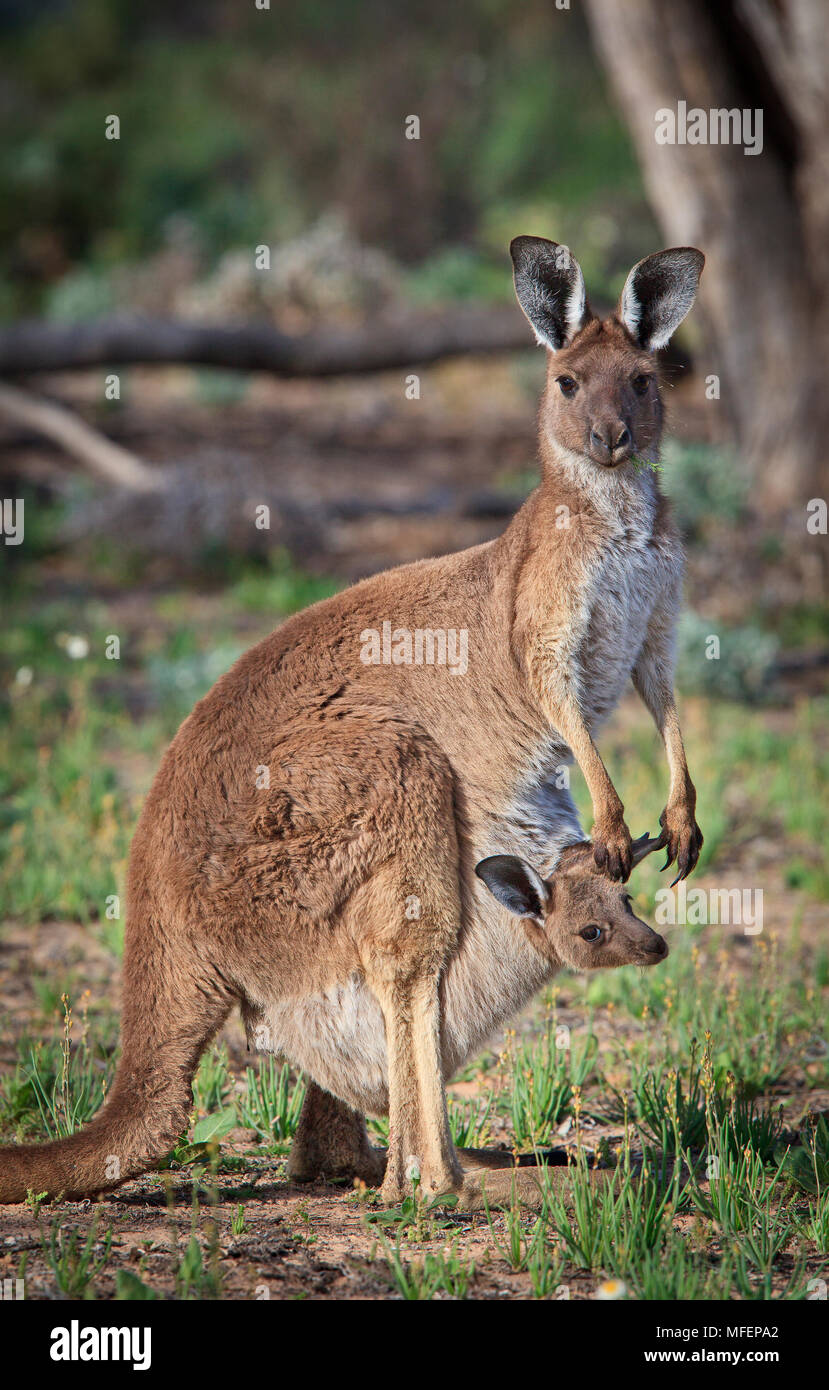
point(761, 219)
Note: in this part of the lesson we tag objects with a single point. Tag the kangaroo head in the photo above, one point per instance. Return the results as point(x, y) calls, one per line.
point(577, 917)
point(602, 398)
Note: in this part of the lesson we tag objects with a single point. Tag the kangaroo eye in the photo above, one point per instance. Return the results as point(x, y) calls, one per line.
point(591, 933)
point(641, 384)
point(567, 385)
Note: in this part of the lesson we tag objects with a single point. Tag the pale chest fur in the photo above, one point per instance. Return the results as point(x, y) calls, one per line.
point(636, 559)
point(622, 589)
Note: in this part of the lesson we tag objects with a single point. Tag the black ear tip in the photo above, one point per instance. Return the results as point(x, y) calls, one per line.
point(695, 256)
point(523, 251)
point(689, 254)
point(525, 248)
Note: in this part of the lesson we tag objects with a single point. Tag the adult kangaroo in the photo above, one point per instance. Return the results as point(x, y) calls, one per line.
point(308, 848)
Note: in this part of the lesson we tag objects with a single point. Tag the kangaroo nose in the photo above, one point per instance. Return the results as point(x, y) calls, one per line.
point(607, 438)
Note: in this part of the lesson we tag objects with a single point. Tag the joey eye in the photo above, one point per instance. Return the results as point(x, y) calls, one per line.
point(567, 385)
point(641, 384)
point(591, 933)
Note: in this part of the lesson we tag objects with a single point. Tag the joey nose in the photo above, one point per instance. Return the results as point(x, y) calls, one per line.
point(658, 947)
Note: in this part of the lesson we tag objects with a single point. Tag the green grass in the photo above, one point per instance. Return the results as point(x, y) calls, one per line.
point(67, 733)
point(469, 1121)
point(544, 1075)
point(696, 1100)
point(72, 1257)
point(279, 588)
point(763, 1020)
point(58, 1084)
point(445, 1274)
point(272, 1101)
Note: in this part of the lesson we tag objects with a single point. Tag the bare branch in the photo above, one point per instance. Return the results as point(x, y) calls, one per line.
point(98, 454)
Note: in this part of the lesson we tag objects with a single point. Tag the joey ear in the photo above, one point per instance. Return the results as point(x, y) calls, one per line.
point(516, 885)
point(658, 293)
point(550, 289)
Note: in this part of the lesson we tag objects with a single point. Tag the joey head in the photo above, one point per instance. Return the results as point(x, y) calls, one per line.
point(577, 918)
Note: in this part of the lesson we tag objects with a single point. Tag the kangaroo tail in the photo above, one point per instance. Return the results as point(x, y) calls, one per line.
point(173, 1006)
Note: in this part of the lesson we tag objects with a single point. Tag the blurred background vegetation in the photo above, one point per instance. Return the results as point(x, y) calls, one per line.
point(241, 127)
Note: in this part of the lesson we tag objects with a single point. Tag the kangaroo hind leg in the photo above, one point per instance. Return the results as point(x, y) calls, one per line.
point(412, 927)
point(332, 1142)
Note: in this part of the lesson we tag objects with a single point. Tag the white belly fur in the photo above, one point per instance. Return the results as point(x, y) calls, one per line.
point(338, 1037)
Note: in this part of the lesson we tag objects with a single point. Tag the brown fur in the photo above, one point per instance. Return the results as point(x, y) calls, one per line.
point(386, 785)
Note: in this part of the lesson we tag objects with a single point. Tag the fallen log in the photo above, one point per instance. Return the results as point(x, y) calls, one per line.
point(39, 346)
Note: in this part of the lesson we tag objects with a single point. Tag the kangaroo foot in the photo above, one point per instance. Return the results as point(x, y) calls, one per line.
point(332, 1143)
point(396, 1187)
point(436, 1178)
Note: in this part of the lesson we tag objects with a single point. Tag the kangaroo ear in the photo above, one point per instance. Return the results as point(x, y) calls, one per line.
point(658, 293)
point(516, 885)
point(550, 289)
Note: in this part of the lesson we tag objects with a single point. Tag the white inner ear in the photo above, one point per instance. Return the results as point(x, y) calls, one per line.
point(661, 337)
point(541, 889)
point(574, 308)
point(631, 308)
point(666, 310)
point(574, 301)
